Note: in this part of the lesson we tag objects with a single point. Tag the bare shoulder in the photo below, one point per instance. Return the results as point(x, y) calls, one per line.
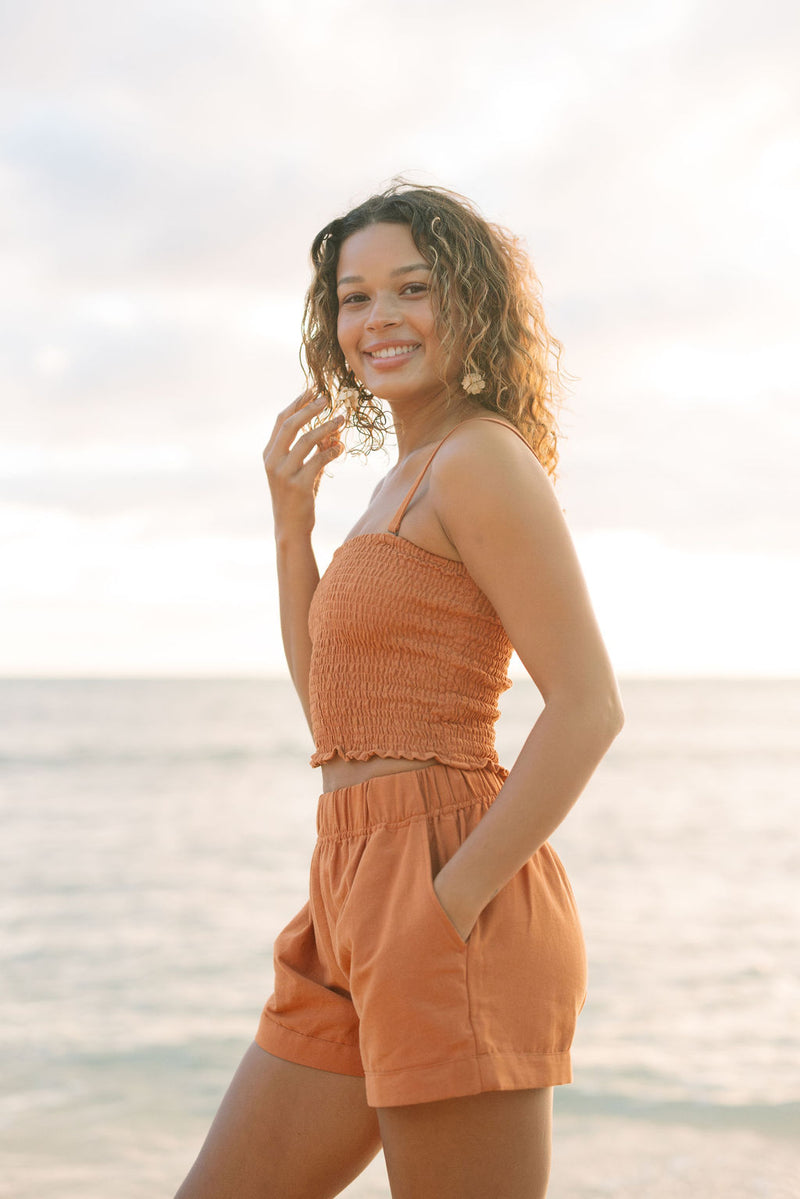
point(486, 460)
point(498, 508)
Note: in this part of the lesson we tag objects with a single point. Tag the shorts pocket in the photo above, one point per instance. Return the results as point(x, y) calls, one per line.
point(434, 865)
point(444, 918)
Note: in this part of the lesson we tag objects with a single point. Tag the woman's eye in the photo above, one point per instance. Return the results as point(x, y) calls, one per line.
point(415, 289)
point(355, 298)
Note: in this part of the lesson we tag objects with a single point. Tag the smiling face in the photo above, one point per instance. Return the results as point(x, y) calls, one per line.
point(386, 324)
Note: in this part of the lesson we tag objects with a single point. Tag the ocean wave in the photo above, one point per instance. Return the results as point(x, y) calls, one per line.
point(775, 1119)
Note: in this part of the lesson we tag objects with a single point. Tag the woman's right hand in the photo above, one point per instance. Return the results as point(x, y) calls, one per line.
point(294, 467)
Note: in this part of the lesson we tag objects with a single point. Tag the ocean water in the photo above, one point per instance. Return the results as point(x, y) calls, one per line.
point(156, 836)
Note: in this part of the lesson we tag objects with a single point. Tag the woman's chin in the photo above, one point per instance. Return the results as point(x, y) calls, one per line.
point(393, 393)
point(403, 391)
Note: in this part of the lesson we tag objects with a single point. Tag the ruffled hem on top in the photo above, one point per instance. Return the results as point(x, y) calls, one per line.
point(351, 755)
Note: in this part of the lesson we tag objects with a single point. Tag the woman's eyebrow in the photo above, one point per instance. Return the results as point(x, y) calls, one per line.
point(400, 270)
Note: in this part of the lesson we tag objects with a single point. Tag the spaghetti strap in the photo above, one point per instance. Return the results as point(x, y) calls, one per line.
point(394, 526)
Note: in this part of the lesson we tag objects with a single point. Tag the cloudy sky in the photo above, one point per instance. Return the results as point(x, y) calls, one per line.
point(163, 169)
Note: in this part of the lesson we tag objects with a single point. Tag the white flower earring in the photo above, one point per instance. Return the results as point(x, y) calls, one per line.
point(354, 393)
point(473, 383)
point(349, 397)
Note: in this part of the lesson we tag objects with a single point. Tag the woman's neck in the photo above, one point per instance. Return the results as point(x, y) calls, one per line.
point(428, 421)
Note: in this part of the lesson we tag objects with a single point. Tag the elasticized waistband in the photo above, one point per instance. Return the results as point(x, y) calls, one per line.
point(396, 799)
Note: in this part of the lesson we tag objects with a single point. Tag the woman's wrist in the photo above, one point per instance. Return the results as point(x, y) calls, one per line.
point(459, 902)
point(288, 537)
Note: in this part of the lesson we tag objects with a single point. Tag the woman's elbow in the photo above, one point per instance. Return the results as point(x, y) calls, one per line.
point(614, 712)
point(606, 704)
point(598, 712)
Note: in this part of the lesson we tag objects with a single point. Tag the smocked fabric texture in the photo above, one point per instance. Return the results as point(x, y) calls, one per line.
point(409, 658)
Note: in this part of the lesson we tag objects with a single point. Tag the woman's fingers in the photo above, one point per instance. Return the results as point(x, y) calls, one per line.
point(294, 461)
point(315, 450)
point(291, 419)
point(317, 436)
point(320, 460)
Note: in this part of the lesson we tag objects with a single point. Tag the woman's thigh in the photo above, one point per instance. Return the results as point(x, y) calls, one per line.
point(496, 1143)
point(284, 1131)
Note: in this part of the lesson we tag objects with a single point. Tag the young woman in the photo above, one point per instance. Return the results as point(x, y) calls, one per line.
point(426, 995)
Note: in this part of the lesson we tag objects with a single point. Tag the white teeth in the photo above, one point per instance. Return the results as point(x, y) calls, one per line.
point(392, 351)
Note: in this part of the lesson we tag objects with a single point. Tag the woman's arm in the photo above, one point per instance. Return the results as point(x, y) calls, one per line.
point(294, 478)
point(499, 510)
point(298, 576)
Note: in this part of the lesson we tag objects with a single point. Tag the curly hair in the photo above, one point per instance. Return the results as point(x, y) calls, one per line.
point(487, 301)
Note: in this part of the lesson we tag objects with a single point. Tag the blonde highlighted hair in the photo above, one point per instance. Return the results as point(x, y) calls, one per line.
point(487, 301)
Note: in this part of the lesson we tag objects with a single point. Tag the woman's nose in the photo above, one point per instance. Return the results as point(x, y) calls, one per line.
point(382, 313)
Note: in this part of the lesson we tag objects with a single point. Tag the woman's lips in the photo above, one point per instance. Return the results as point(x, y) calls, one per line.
point(390, 356)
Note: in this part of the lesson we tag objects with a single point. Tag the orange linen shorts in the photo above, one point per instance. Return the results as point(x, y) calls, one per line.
point(372, 979)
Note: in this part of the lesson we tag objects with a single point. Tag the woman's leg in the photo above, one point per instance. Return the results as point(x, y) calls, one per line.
point(284, 1131)
point(496, 1143)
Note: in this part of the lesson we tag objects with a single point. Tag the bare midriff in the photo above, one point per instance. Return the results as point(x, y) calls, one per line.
point(341, 772)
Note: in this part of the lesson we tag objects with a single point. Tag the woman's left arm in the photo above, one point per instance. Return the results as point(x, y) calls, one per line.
point(498, 507)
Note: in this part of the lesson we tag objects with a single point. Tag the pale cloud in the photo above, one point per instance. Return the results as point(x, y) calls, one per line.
point(669, 611)
point(164, 167)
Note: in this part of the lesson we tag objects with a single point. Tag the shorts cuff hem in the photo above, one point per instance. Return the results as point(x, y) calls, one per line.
point(470, 1076)
point(307, 1050)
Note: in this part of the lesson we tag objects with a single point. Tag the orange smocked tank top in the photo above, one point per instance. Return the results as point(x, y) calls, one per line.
point(408, 656)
